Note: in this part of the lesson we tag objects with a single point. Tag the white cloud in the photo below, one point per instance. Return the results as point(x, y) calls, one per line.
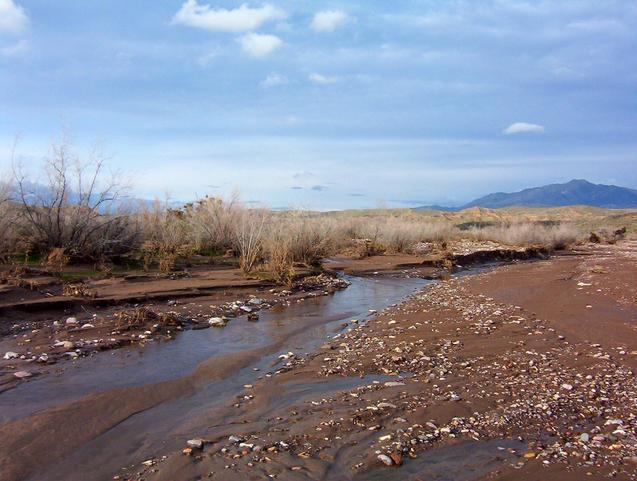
point(257, 45)
point(240, 19)
point(13, 19)
point(317, 78)
point(274, 80)
point(522, 128)
point(329, 20)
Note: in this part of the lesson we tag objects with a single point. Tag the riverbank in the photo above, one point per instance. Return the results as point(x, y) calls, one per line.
point(523, 372)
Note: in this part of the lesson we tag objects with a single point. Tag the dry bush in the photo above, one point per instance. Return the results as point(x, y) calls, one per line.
point(212, 222)
point(529, 234)
point(379, 234)
point(74, 207)
point(8, 237)
point(57, 259)
point(278, 250)
point(168, 236)
point(310, 239)
point(249, 235)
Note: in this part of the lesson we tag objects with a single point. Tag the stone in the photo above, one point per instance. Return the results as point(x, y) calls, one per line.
point(71, 321)
point(584, 437)
point(22, 374)
point(11, 355)
point(386, 460)
point(217, 322)
point(88, 325)
point(394, 384)
point(195, 443)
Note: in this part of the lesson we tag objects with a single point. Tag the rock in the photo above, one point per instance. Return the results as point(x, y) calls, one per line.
point(72, 354)
point(255, 301)
point(386, 460)
point(217, 322)
point(455, 397)
point(394, 384)
point(87, 326)
point(195, 443)
point(567, 387)
point(43, 358)
point(11, 355)
point(65, 344)
point(22, 374)
point(246, 309)
point(397, 459)
point(584, 437)
point(235, 439)
point(71, 321)
point(253, 316)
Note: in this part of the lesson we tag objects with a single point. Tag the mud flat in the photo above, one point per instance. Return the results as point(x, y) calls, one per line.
point(483, 377)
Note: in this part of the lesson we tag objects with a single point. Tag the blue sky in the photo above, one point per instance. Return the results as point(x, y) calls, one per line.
point(327, 104)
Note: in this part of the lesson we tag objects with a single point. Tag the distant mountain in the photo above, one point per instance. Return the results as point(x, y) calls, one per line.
point(575, 192)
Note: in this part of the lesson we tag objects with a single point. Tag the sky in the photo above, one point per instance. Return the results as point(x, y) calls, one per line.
point(326, 104)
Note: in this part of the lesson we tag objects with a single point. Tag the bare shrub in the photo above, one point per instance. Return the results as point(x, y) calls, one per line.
point(279, 251)
point(212, 221)
point(310, 239)
point(8, 238)
point(248, 236)
point(74, 207)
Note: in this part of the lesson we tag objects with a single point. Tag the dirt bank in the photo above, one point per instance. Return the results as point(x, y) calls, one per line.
point(502, 375)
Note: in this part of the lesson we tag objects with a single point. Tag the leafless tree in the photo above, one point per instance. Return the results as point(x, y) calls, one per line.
point(75, 207)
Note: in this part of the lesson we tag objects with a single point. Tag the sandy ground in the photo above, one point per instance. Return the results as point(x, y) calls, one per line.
point(524, 372)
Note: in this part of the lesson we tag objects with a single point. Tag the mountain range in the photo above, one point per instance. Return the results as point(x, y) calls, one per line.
point(575, 192)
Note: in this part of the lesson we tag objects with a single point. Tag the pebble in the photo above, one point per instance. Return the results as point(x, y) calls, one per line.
point(386, 460)
point(217, 322)
point(22, 374)
point(11, 355)
point(195, 443)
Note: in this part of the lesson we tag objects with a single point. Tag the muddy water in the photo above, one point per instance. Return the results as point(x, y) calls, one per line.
point(120, 408)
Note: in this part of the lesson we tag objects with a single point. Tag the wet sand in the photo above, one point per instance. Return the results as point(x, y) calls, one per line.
point(519, 372)
point(117, 408)
point(477, 383)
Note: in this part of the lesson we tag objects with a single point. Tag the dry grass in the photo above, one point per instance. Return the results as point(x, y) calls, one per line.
point(528, 234)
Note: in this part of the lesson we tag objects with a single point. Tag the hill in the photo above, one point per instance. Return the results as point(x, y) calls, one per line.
point(575, 192)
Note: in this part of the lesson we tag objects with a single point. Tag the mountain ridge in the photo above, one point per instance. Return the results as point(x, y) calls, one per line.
point(574, 192)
